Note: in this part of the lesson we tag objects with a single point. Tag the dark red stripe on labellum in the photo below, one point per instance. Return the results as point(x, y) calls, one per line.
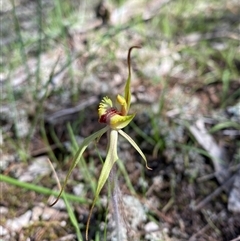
point(109, 113)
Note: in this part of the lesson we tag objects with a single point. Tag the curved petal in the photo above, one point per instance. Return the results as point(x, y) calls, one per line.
point(133, 143)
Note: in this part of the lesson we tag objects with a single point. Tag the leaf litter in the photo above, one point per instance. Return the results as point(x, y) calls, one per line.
point(181, 178)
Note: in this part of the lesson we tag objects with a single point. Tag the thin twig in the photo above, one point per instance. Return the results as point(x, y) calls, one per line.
point(207, 177)
point(236, 239)
point(201, 231)
point(204, 230)
point(69, 111)
point(214, 194)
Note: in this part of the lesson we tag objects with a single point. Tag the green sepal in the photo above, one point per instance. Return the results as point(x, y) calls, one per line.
point(111, 158)
point(127, 90)
point(133, 143)
point(78, 156)
point(128, 94)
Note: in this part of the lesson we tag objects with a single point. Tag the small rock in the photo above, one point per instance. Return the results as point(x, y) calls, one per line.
point(18, 223)
point(3, 231)
point(3, 210)
point(151, 226)
point(234, 198)
point(39, 167)
point(153, 232)
point(79, 189)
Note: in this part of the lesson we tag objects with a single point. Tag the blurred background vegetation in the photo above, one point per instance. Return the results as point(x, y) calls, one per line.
point(58, 58)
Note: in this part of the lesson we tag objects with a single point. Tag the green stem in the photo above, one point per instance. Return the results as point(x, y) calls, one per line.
point(115, 198)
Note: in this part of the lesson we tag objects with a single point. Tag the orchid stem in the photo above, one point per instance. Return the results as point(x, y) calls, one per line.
point(115, 198)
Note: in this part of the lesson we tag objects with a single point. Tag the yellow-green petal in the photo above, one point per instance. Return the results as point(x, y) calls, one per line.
point(121, 100)
point(118, 122)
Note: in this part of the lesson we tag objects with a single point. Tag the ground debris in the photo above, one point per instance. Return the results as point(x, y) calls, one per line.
point(234, 196)
point(216, 153)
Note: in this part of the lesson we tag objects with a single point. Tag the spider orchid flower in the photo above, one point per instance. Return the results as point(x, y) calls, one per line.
point(115, 119)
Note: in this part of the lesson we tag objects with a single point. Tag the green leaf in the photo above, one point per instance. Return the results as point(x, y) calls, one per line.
point(224, 125)
point(72, 217)
point(111, 158)
point(78, 156)
point(133, 143)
